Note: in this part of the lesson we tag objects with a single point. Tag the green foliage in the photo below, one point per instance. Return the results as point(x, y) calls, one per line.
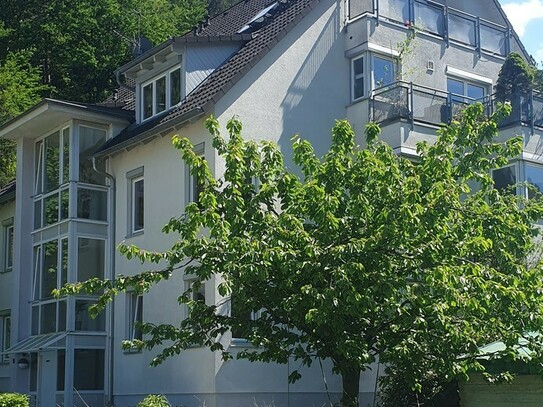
point(79, 44)
point(13, 400)
point(154, 400)
point(20, 88)
point(516, 77)
point(365, 254)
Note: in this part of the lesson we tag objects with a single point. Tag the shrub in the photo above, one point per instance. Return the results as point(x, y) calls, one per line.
point(13, 400)
point(153, 400)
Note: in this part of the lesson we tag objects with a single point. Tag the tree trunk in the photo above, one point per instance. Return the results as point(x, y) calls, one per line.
point(350, 379)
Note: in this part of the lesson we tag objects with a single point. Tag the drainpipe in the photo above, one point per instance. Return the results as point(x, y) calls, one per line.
point(112, 202)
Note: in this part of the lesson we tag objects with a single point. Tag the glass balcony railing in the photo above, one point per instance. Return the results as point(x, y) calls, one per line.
point(403, 101)
point(438, 19)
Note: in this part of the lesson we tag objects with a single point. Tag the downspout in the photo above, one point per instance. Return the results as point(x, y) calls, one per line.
point(112, 202)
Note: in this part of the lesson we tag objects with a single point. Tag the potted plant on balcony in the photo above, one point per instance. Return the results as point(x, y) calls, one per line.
point(515, 82)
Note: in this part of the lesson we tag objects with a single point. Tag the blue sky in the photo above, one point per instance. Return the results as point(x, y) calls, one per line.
point(527, 19)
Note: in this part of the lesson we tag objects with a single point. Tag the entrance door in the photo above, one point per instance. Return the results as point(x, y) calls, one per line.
point(47, 378)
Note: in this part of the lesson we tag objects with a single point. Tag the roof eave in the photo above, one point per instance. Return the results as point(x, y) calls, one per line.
point(160, 130)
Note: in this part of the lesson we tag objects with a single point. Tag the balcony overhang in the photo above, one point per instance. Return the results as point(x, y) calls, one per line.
point(51, 113)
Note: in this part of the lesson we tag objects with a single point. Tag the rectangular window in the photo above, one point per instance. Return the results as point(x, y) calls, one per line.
point(136, 201)
point(382, 72)
point(137, 205)
point(161, 93)
point(8, 245)
point(194, 185)
point(134, 316)
point(90, 139)
point(90, 258)
point(533, 175)
point(357, 68)
point(89, 369)
point(465, 92)
point(505, 179)
point(5, 335)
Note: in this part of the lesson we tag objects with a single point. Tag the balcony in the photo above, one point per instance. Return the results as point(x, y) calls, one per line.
point(454, 26)
point(403, 101)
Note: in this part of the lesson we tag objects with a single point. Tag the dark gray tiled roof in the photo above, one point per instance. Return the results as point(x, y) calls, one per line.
point(201, 99)
point(124, 97)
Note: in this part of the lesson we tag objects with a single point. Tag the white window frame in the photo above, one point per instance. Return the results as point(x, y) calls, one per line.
point(8, 244)
point(360, 76)
point(167, 75)
point(134, 315)
point(191, 180)
point(5, 338)
point(133, 177)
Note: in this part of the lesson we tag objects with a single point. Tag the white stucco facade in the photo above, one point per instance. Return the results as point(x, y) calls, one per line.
point(326, 66)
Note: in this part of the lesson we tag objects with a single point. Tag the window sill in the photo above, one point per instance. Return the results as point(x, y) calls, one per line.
point(241, 343)
point(134, 234)
point(132, 351)
point(6, 270)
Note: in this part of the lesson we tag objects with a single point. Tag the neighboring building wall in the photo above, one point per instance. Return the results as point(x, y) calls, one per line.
point(7, 212)
point(524, 391)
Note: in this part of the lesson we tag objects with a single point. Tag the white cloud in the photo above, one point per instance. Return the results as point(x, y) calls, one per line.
point(522, 13)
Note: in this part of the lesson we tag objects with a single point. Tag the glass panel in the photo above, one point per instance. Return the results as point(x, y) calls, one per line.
point(64, 204)
point(383, 72)
point(9, 247)
point(37, 270)
point(358, 66)
point(493, 39)
point(83, 320)
point(35, 320)
point(49, 318)
point(52, 161)
point(241, 313)
point(66, 155)
point(89, 141)
point(91, 204)
point(147, 98)
point(397, 10)
point(475, 92)
point(38, 155)
point(89, 369)
point(461, 29)
point(64, 262)
point(429, 18)
point(160, 95)
point(37, 214)
point(359, 7)
point(90, 258)
point(62, 315)
point(175, 87)
point(505, 179)
point(50, 209)
point(358, 78)
point(61, 365)
point(136, 316)
point(138, 205)
point(50, 267)
point(456, 89)
point(534, 177)
point(33, 371)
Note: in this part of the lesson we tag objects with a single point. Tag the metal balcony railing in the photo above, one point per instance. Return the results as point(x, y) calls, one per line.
point(403, 101)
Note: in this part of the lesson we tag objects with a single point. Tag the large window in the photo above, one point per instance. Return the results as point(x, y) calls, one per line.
point(194, 185)
point(382, 72)
point(465, 92)
point(5, 335)
point(505, 179)
point(50, 272)
point(88, 369)
point(161, 93)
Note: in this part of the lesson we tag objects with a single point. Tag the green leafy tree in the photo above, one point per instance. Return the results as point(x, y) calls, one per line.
point(78, 45)
point(366, 255)
point(516, 77)
point(20, 88)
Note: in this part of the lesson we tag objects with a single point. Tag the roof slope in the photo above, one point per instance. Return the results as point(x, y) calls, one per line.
point(271, 30)
point(7, 192)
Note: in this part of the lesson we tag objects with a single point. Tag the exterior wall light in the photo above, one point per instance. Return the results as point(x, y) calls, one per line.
point(23, 363)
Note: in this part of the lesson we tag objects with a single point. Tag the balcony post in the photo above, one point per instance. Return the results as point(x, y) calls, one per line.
point(531, 112)
point(410, 106)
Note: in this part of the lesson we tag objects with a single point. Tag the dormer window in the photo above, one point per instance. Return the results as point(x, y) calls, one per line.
point(161, 93)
